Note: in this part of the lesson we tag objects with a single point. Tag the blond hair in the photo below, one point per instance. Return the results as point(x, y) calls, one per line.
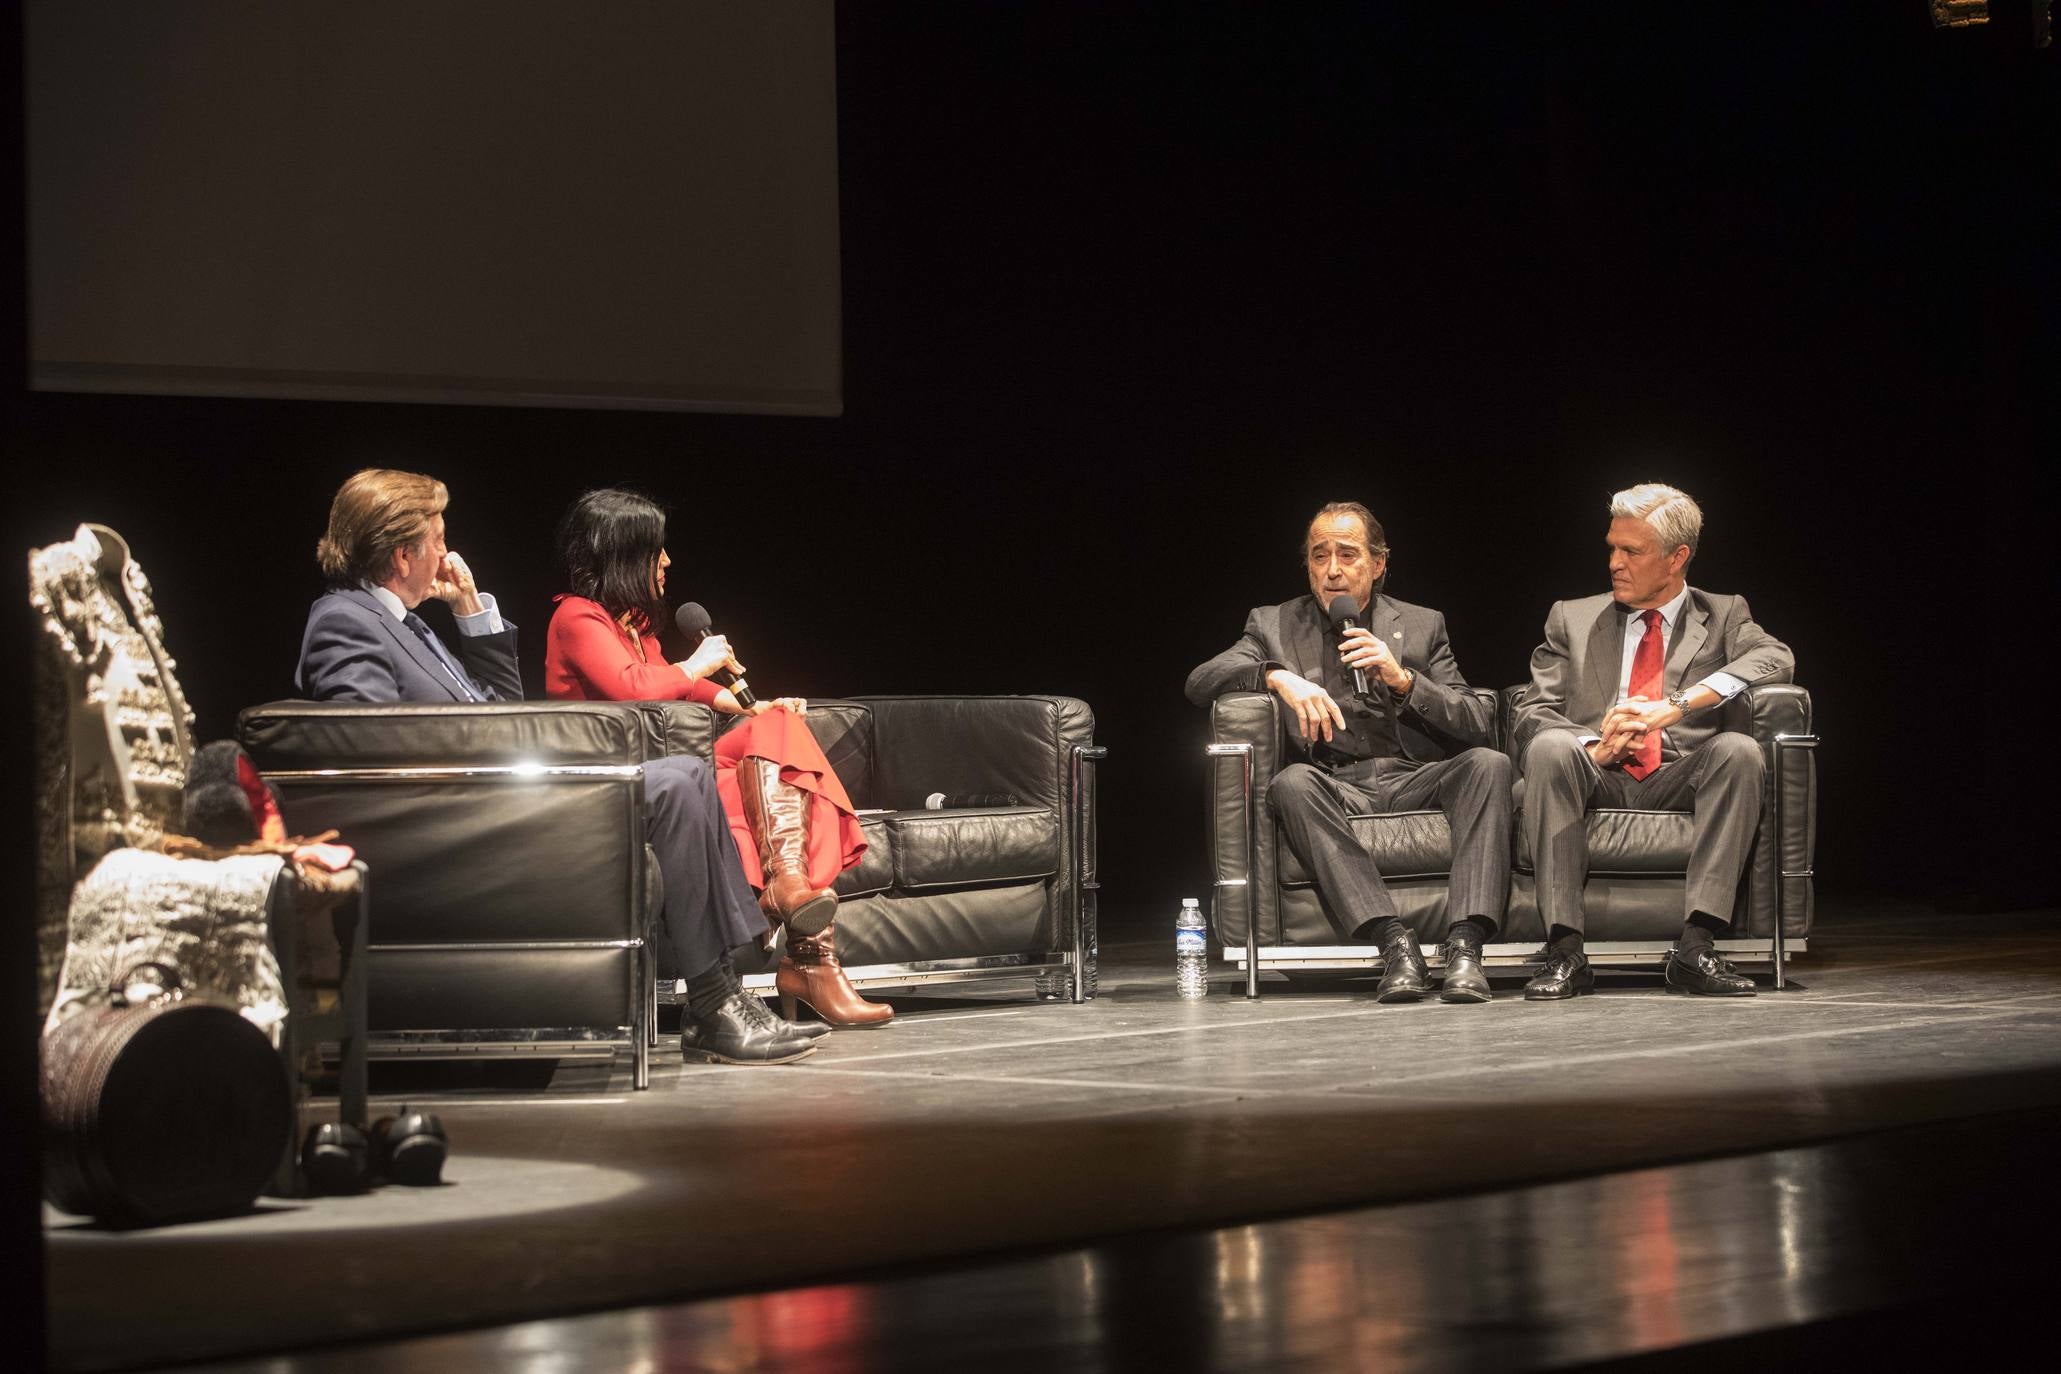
point(375, 512)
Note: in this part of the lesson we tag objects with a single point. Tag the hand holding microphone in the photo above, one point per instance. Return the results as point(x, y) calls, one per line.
point(711, 657)
point(1345, 615)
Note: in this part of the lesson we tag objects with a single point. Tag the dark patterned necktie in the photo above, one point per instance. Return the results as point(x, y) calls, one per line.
point(443, 656)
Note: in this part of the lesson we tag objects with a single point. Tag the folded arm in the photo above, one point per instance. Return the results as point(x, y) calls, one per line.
point(1241, 668)
point(1439, 696)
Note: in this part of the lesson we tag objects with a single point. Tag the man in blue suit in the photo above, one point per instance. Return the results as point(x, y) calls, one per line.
point(384, 555)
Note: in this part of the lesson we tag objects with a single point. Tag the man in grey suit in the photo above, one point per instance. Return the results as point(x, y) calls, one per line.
point(1411, 739)
point(1620, 713)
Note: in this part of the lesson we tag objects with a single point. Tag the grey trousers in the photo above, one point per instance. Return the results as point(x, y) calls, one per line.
point(1472, 788)
point(709, 908)
point(1719, 780)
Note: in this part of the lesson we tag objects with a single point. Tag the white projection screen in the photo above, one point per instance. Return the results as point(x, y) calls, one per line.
point(533, 202)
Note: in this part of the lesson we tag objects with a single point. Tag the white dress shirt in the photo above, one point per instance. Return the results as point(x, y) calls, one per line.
point(483, 622)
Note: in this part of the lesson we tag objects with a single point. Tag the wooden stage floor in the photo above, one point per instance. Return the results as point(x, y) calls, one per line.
point(1310, 1181)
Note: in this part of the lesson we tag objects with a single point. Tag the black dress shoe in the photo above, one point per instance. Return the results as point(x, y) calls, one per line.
point(1464, 980)
point(336, 1159)
point(1705, 973)
point(815, 1030)
point(1564, 976)
point(1404, 978)
point(410, 1148)
point(743, 1030)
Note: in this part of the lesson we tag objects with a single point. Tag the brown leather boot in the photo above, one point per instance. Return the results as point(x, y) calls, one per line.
point(778, 814)
point(809, 972)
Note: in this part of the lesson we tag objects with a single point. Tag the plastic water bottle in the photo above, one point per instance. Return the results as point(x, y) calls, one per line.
point(1191, 951)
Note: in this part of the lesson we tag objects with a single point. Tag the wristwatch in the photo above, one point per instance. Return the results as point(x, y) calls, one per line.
point(1680, 701)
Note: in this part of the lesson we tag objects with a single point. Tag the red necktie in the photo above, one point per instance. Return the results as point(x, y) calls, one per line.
point(1647, 682)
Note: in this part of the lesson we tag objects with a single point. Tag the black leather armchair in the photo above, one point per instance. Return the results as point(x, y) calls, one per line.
point(516, 896)
point(1267, 915)
point(1638, 860)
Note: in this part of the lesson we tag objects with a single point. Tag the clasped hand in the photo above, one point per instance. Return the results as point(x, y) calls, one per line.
point(1625, 727)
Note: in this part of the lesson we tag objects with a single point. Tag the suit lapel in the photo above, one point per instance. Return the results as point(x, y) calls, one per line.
point(1387, 624)
point(410, 644)
point(1604, 667)
point(1689, 637)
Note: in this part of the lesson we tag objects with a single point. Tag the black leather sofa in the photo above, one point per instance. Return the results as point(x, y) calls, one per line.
point(957, 892)
point(1638, 858)
point(516, 906)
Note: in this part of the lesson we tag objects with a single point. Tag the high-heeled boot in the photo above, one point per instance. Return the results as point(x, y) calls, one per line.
point(809, 972)
point(778, 814)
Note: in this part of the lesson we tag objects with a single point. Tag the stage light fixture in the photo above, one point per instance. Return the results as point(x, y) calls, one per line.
point(2034, 18)
point(1958, 14)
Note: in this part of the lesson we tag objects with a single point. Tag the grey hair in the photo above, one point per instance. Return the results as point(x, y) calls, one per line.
point(1672, 512)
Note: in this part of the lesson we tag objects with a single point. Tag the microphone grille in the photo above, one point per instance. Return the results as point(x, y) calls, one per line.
point(692, 618)
point(1342, 609)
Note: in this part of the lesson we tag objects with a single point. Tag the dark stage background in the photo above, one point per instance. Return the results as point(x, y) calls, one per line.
point(1129, 290)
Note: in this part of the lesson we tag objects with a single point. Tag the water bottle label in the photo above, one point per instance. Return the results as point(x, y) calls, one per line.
point(1190, 942)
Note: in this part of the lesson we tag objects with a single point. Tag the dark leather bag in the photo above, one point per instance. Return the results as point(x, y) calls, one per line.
point(165, 1112)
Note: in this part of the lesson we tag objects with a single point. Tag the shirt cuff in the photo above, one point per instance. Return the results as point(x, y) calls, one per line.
point(1724, 684)
point(488, 621)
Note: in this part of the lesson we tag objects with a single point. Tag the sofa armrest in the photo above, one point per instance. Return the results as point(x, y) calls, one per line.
point(1244, 718)
point(1767, 712)
point(284, 736)
point(681, 727)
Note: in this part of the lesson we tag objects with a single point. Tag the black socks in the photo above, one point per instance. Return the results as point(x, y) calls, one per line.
point(1391, 929)
point(710, 988)
point(1700, 931)
point(1564, 940)
point(1470, 930)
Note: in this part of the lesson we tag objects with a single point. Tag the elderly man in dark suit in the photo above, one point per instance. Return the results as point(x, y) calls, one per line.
point(1620, 713)
point(1413, 738)
point(384, 555)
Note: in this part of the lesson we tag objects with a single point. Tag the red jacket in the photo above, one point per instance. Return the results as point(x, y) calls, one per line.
point(589, 656)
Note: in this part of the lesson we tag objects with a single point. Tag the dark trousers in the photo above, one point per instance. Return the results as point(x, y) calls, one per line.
point(708, 908)
point(1472, 788)
point(1719, 780)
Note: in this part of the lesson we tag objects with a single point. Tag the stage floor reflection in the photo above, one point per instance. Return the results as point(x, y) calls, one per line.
point(1309, 1181)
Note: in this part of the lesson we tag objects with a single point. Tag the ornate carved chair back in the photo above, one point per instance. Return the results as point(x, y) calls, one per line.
point(114, 734)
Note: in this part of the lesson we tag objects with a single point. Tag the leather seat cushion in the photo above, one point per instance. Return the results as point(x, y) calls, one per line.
point(987, 844)
point(1629, 842)
point(875, 870)
point(1404, 844)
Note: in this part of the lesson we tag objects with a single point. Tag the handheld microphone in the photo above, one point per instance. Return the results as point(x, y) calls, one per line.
point(954, 801)
point(694, 623)
point(1345, 615)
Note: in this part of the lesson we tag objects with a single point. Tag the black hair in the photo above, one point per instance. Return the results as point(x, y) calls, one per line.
point(610, 541)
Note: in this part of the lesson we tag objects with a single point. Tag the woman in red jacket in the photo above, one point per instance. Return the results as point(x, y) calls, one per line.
point(794, 825)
